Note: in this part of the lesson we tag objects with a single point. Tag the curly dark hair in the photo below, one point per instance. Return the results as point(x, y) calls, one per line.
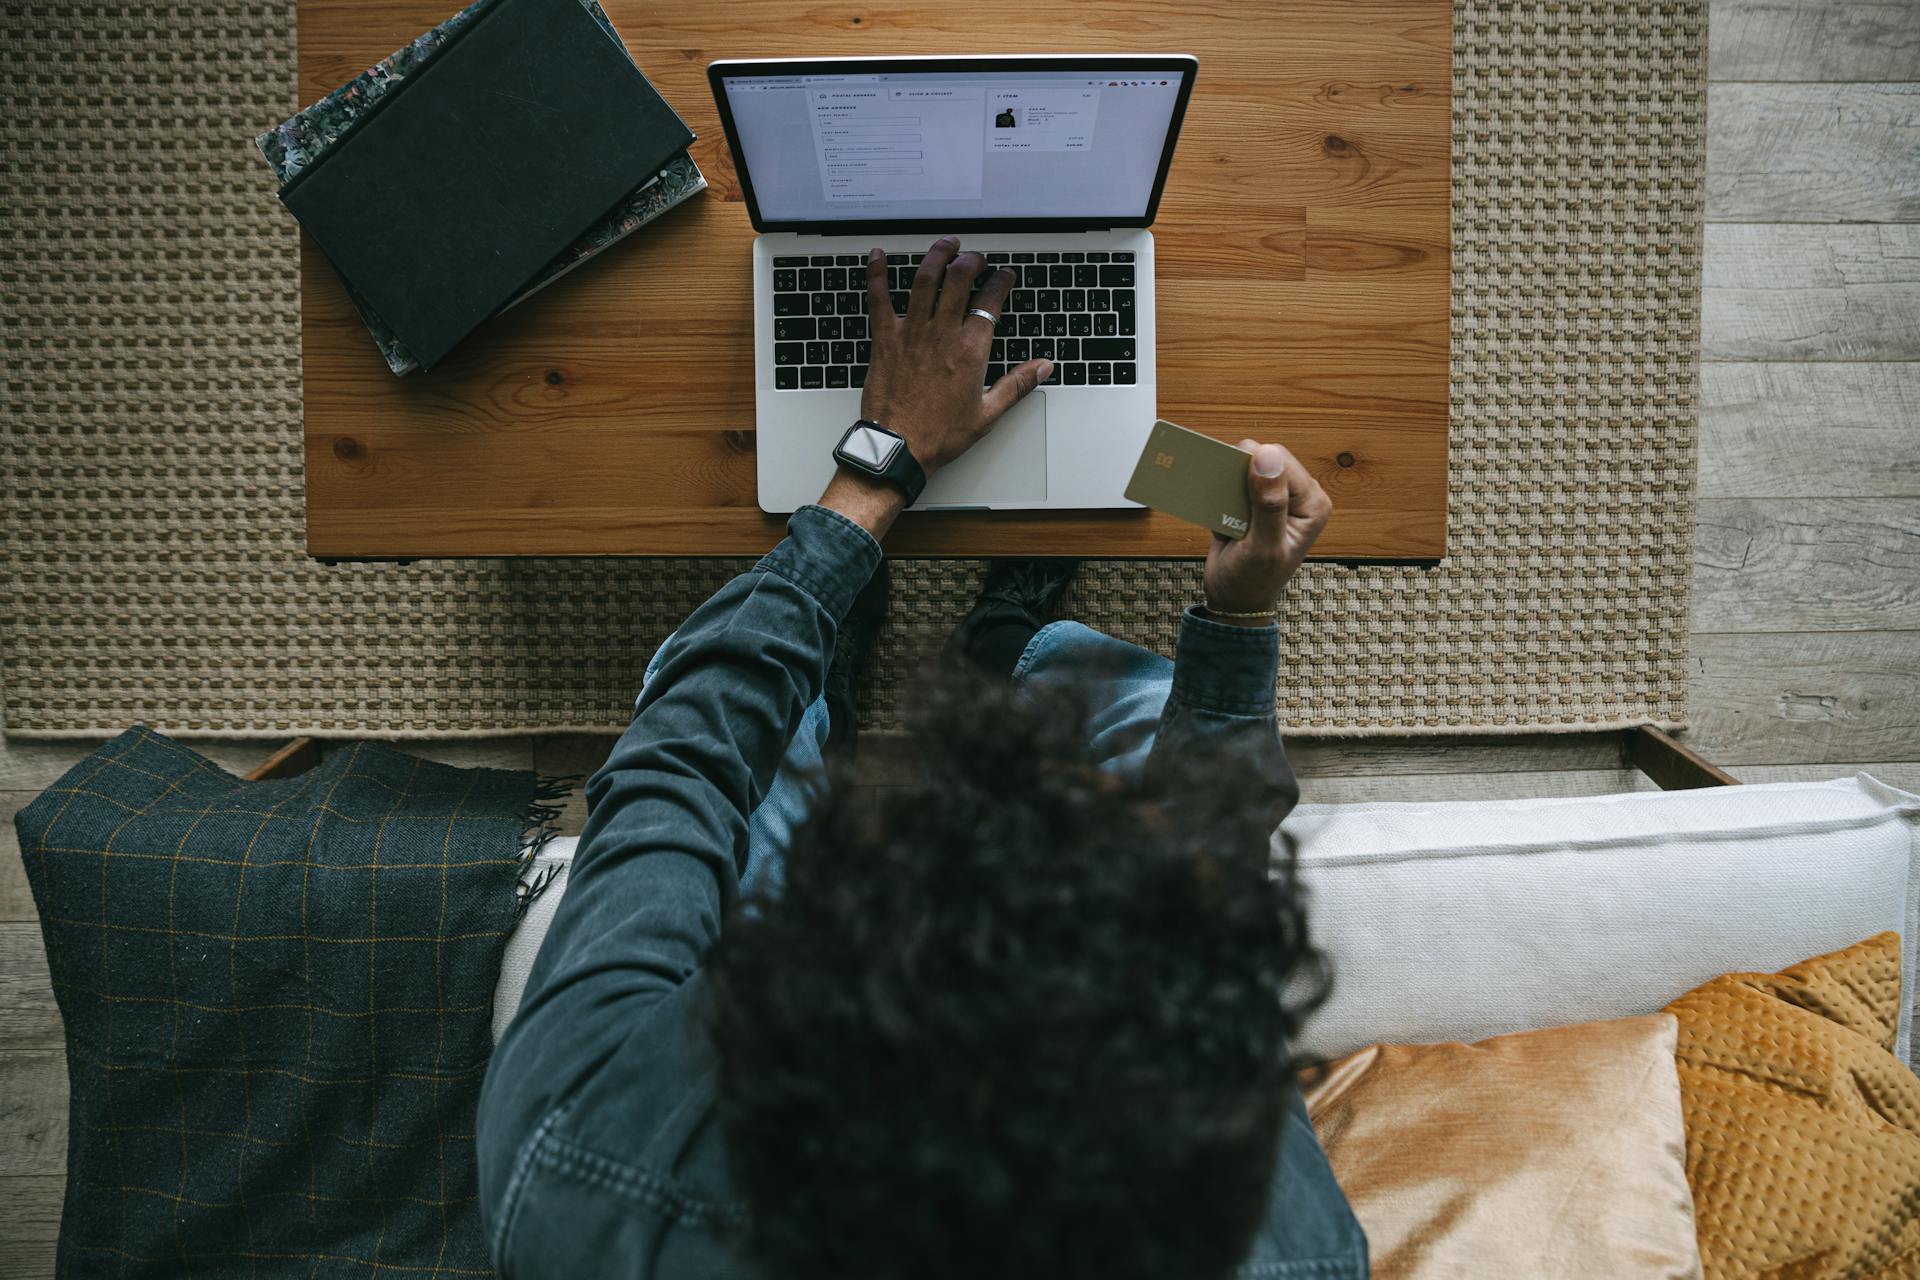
point(1022, 1019)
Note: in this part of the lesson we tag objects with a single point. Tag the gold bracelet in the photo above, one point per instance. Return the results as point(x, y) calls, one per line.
point(1240, 617)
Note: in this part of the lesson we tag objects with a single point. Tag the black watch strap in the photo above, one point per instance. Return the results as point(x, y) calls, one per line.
point(872, 449)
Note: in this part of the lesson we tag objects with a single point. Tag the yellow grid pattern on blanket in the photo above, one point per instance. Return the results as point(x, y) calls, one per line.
point(277, 1005)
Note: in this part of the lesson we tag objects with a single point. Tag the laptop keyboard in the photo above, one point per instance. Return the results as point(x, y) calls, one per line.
point(1075, 309)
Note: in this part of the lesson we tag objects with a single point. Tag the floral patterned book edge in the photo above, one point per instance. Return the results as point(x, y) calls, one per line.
point(301, 140)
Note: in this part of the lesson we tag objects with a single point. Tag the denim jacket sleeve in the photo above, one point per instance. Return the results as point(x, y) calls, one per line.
point(1222, 696)
point(660, 859)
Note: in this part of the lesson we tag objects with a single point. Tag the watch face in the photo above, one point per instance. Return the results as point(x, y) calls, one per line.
point(870, 448)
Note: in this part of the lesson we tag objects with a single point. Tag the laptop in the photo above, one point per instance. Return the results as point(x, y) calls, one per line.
point(1049, 164)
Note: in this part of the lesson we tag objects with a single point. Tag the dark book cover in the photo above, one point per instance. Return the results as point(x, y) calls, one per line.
point(454, 194)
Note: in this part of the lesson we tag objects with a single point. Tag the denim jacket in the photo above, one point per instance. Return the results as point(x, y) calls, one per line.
point(599, 1150)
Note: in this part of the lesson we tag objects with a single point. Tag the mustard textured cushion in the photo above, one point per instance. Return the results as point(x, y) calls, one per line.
point(1803, 1129)
point(1541, 1154)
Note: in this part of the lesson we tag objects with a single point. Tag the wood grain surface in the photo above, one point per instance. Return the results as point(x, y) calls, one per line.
point(1814, 40)
point(1842, 430)
point(33, 1106)
point(1813, 152)
point(1802, 564)
point(1811, 293)
point(29, 1019)
point(1454, 785)
point(16, 896)
point(1673, 765)
point(1303, 278)
point(1805, 697)
point(32, 1225)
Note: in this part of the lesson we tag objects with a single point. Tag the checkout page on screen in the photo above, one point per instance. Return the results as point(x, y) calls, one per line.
point(1073, 144)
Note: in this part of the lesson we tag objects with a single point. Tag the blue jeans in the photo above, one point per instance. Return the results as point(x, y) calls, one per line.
point(1123, 686)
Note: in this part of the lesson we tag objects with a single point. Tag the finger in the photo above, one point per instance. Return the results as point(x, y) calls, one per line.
point(1271, 473)
point(1312, 503)
point(1304, 494)
point(926, 281)
point(994, 293)
point(957, 293)
point(1310, 513)
point(879, 296)
point(1014, 386)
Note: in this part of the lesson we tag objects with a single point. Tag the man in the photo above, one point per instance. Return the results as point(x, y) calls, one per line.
point(1024, 1018)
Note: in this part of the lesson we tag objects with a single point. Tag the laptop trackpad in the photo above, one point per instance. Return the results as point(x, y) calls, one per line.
point(1009, 465)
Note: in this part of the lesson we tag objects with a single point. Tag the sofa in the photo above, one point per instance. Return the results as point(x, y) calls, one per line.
point(1649, 1034)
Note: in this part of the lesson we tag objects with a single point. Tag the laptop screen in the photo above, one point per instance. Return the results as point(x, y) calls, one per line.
point(954, 143)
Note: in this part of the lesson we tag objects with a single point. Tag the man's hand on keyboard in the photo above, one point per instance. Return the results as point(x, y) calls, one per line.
point(928, 365)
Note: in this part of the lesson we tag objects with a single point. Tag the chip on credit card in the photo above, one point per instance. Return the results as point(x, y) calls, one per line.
point(1194, 477)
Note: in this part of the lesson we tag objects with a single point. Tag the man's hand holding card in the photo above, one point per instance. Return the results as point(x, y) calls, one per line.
point(1263, 508)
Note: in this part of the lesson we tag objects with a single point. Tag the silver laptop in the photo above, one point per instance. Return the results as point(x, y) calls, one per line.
point(1050, 164)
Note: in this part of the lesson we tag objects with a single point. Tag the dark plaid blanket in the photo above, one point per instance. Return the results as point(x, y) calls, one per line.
point(277, 999)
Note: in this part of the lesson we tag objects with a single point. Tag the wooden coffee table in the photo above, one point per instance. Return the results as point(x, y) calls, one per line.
point(1303, 297)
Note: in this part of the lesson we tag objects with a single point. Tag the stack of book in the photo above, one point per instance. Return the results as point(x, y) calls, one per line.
point(479, 164)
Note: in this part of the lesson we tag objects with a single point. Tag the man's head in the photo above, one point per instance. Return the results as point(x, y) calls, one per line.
point(1019, 1019)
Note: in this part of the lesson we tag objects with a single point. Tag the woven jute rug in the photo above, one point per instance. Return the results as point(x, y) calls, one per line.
point(151, 506)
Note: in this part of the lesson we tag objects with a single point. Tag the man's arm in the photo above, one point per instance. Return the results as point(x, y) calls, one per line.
point(1228, 657)
point(1222, 700)
point(659, 863)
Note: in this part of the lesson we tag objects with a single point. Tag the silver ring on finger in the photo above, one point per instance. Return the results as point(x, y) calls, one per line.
point(988, 316)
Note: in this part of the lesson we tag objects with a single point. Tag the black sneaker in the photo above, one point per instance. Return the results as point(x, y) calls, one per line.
point(1017, 592)
point(850, 650)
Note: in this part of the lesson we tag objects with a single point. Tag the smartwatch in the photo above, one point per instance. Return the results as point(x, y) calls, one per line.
point(873, 450)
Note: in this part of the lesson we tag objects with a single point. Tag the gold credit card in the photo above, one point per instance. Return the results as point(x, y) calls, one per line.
point(1194, 477)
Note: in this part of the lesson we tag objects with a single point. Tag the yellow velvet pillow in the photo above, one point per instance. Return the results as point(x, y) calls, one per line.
point(1543, 1154)
point(1803, 1128)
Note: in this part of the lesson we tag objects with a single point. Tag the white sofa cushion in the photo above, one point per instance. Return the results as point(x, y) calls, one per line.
point(1469, 919)
point(1463, 920)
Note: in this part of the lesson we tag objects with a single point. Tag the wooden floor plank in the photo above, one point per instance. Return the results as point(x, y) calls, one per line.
point(1810, 431)
point(35, 764)
point(1760, 255)
point(1904, 774)
point(571, 754)
point(461, 753)
point(1810, 293)
point(1805, 698)
point(29, 1019)
point(1466, 753)
point(16, 899)
point(1813, 152)
point(30, 1225)
point(1807, 564)
point(1419, 787)
point(1813, 40)
point(33, 1112)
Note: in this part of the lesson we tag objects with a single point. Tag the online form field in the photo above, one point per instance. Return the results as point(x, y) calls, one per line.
point(875, 145)
point(900, 143)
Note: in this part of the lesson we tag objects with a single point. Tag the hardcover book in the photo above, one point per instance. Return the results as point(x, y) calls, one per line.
point(299, 145)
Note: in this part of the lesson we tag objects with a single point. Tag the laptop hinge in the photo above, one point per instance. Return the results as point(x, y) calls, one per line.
point(823, 234)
